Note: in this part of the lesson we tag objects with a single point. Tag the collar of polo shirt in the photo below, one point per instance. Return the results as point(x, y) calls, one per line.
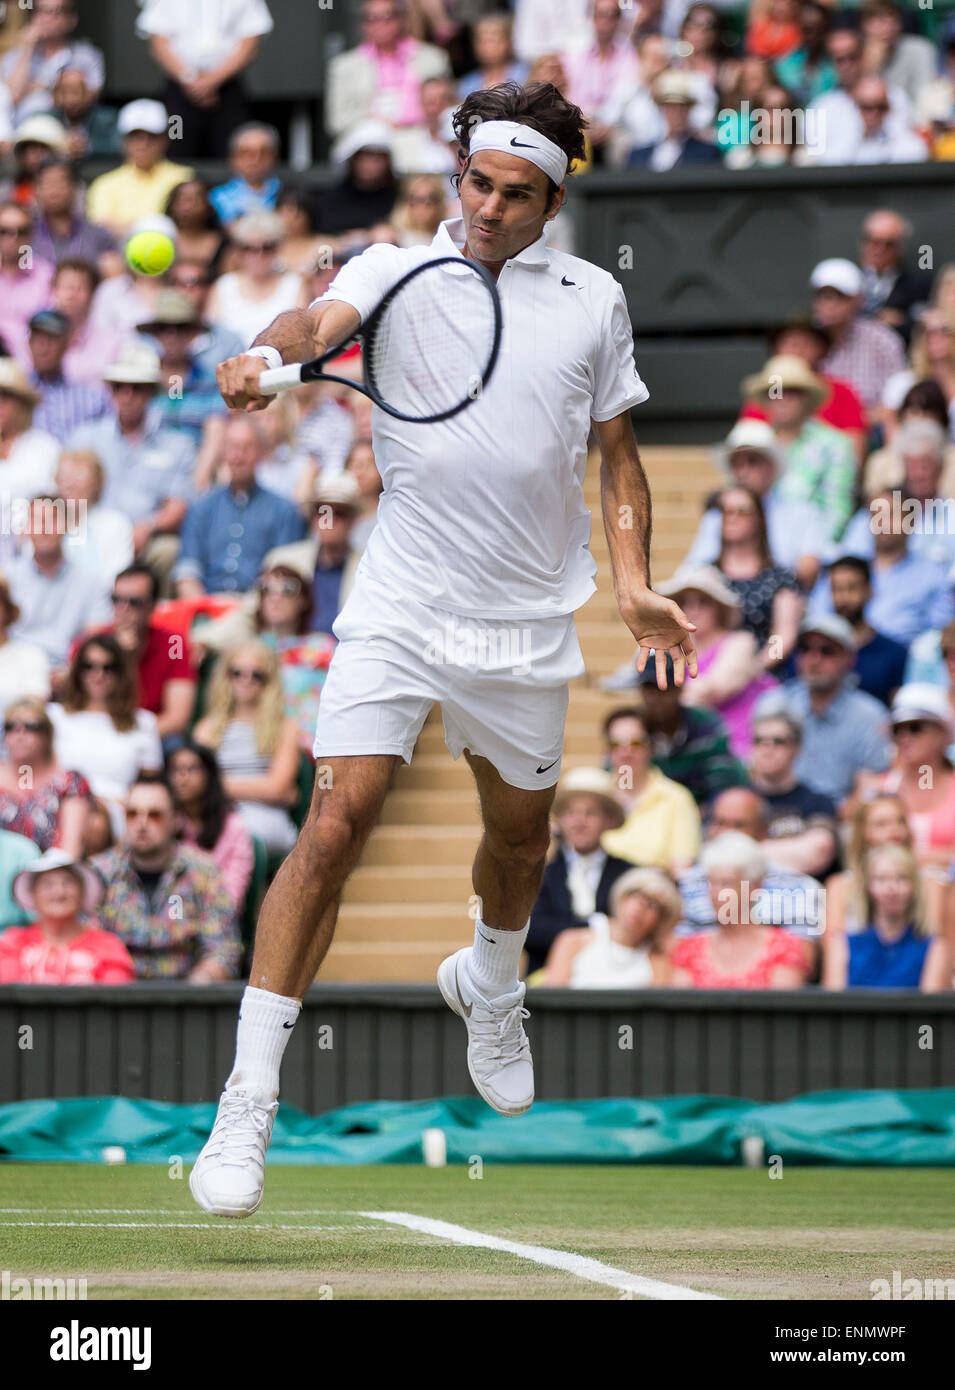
point(452, 232)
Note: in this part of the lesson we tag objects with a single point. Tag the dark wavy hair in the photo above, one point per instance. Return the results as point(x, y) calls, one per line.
point(216, 805)
point(538, 105)
point(124, 701)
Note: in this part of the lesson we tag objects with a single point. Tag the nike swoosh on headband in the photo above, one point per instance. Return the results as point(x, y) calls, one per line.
point(522, 144)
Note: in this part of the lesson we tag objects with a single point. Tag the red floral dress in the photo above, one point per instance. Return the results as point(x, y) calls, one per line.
point(36, 814)
point(779, 948)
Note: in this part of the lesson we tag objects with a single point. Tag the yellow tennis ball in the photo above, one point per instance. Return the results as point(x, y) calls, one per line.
point(150, 253)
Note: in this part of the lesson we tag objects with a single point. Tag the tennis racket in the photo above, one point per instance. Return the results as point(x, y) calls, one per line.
point(428, 349)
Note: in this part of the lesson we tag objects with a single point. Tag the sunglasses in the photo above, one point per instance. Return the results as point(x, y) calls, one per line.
point(630, 743)
point(131, 601)
point(107, 667)
point(267, 248)
point(738, 511)
point(771, 741)
point(23, 230)
point(153, 814)
point(21, 726)
point(288, 588)
point(259, 677)
point(820, 649)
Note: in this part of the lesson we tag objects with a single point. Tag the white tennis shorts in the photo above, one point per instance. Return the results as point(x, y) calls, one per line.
point(502, 686)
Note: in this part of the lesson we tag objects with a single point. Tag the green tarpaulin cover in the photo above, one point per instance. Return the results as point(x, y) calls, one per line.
point(852, 1127)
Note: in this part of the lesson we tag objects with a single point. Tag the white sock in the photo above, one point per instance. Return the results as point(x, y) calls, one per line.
point(265, 1026)
point(496, 958)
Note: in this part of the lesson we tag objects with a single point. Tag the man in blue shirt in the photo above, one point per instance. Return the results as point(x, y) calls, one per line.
point(66, 404)
point(845, 731)
point(880, 660)
point(227, 533)
point(254, 187)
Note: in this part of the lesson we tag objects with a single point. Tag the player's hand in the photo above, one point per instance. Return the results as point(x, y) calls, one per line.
point(238, 381)
point(661, 625)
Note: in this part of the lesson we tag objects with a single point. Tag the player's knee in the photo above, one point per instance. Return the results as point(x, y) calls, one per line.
point(519, 850)
point(332, 841)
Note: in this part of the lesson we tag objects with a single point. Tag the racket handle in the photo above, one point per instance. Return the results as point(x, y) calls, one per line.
point(276, 379)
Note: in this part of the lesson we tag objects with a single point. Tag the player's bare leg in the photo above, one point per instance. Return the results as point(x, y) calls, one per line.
point(294, 932)
point(480, 983)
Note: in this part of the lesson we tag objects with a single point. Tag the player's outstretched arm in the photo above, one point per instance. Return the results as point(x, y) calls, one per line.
point(657, 623)
point(298, 335)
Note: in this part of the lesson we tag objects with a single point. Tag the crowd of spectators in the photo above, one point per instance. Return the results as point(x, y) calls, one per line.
point(170, 574)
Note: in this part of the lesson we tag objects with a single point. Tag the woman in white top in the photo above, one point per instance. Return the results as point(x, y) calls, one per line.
point(27, 456)
point(98, 731)
point(104, 540)
point(24, 667)
point(248, 299)
point(628, 950)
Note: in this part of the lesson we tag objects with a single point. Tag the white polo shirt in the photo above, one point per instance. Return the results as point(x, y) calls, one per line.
point(484, 514)
point(204, 32)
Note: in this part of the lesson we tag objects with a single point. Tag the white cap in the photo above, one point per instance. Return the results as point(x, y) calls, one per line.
point(143, 114)
point(137, 363)
point(338, 490)
point(756, 435)
point(837, 274)
point(42, 130)
point(920, 700)
point(365, 135)
point(830, 625)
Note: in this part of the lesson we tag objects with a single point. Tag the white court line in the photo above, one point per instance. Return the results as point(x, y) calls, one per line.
point(580, 1265)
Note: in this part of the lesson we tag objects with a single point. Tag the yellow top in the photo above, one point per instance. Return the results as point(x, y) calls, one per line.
point(126, 195)
point(661, 830)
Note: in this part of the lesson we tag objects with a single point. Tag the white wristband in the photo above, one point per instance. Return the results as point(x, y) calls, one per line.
point(271, 355)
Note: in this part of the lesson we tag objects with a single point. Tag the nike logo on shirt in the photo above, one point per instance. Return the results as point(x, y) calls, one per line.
point(565, 281)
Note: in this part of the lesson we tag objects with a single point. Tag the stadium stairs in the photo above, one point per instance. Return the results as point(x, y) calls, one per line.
point(406, 906)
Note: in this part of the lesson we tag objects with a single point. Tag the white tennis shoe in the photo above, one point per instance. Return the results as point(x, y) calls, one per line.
point(499, 1055)
point(228, 1177)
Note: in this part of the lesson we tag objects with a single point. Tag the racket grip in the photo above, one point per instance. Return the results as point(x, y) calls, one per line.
point(276, 379)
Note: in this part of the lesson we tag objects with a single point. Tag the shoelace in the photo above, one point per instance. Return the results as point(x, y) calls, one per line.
point(497, 1038)
point(239, 1130)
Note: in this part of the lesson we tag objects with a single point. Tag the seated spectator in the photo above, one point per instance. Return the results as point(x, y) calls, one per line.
point(607, 62)
point(206, 818)
point(215, 343)
point(932, 661)
point(125, 300)
point(896, 947)
point(906, 60)
point(255, 742)
point(662, 825)
point(921, 492)
point(819, 462)
point(327, 427)
point(738, 952)
point(24, 667)
point(16, 852)
point(57, 597)
point(357, 208)
point(199, 234)
point(204, 63)
point(808, 70)
point(98, 729)
point(104, 542)
point(921, 774)
point(775, 32)
point(39, 797)
point(835, 114)
point(628, 950)
point(674, 94)
point(189, 399)
point(302, 247)
point(933, 359)
point(254, 186)
point(768, 594)
point(248, 299)
point(63, 234)
point(778, 141)
point(909, 594)
point(798, 532)
point(65, 405)
point(880, 660)
point(284, 468)
point(424, 148)
point(842, 408)
point(328, 554)
point(361, 464)
point(491, 39)
point(229, 530)
point(923, 403)
point(93, 345)
point(149, 871)
point(99, 829)
point(25, 280)
point(892, 293)
point(382, 76)
point(540, 26)
point(63, 944)
point(165, 674)
point(44, 49)
point(730, 675)
point(629, 112)
point(90, 128)
point(578, 879)
point(787, 897)
point(845, 732)
point(279, 611)
point(877, 819)
point(420, 210)
point(883, 140)
point(139, 187)
point(800, 824)
point(148, 465)
point(864, 353)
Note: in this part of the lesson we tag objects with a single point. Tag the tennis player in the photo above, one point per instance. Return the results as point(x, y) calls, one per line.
point(465, 595)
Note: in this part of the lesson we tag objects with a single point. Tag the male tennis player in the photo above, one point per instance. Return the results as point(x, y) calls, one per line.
point(482, 534)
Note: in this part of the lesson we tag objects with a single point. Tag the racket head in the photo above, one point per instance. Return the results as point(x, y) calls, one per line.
point(432, 343)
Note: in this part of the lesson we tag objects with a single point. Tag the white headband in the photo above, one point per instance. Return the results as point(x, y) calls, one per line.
point(510, 137)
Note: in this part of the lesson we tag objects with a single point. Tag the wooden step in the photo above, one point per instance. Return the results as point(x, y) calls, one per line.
point(447, 923)
point(424, 807)
point(414, 962)
point(425, 844)
point(409, 883)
